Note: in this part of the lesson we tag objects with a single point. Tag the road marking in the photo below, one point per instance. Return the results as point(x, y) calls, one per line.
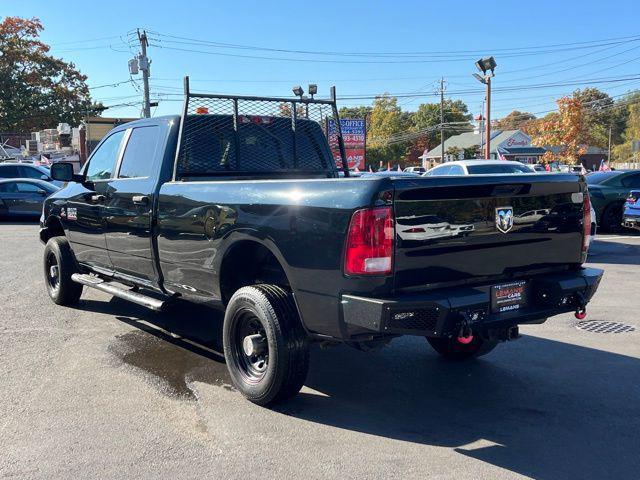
point(616, 237)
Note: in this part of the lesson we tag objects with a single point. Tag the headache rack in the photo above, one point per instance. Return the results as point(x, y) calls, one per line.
point(240, 136)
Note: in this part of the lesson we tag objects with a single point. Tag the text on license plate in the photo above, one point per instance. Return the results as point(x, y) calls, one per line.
point(510, 296)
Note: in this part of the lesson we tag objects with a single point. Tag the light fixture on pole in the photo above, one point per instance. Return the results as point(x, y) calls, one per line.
point(313, 89)
point(298, 91)
point(486, 64)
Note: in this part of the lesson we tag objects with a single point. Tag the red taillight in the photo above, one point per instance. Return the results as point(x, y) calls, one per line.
point(369, 249)
point(587, 223)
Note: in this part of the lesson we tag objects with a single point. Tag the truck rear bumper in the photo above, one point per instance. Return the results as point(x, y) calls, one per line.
point(440, 313)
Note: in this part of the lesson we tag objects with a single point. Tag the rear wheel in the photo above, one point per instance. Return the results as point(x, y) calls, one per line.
point(452, 349)
point(265, 347)
point(59, 265)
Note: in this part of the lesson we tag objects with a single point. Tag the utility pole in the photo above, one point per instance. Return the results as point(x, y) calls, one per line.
point(145, 63)
point(442, 120)
point(609, 149)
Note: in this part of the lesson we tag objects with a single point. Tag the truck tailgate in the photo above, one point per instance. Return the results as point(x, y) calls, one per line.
point(453, 230)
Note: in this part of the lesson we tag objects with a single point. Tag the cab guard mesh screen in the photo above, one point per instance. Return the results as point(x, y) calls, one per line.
point(236, 135)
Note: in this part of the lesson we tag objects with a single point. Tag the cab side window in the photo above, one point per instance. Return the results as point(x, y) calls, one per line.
point(456, 170)
point(140, 153)
point(103, 160)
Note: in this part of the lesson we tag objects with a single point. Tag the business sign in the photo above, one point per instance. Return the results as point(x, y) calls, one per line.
point(354, 136)
point(518, 139)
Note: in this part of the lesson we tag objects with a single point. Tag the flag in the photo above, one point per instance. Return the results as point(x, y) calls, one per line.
point(399, 169)
point(370, 169)
point(500, 155)
point(388, 167)
point(604, 167)
point(356, 170)
point(583, 171)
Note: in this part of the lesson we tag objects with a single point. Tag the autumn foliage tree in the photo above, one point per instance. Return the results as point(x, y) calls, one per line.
point(37, 90)
point(564, 129)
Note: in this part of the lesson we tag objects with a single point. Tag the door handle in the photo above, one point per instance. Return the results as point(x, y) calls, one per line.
point(140, 199)
point(97, 198)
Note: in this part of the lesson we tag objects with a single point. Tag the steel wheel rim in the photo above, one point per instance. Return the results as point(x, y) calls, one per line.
point(252, 367)
point(52, 271)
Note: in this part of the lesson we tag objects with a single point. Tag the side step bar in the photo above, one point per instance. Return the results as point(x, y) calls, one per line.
point(135, 297)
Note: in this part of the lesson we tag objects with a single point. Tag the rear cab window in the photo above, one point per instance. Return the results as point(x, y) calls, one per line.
point(138, 160)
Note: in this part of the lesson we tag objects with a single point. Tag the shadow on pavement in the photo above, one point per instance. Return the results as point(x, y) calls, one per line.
point(614, 252)
point(540, 408)
point(6, 220)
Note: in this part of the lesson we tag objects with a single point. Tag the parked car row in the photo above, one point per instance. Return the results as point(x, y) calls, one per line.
point(23, 188)
point(27, 170)
point(608, 191)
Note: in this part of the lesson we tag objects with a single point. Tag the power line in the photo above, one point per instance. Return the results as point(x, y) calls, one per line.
point(468, 53)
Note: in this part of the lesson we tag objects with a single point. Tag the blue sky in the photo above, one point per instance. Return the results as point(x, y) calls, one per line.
point(93, 35)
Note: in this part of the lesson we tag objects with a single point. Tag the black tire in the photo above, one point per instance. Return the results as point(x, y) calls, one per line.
point(276, 365)
point(452, 349)
point(612, 218)
point(59, 265)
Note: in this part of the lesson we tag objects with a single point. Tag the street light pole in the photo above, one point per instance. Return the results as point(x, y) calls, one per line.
point(486, 65)
point(487, 120)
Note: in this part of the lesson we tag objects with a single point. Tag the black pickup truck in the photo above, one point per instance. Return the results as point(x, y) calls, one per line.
point(238, 201)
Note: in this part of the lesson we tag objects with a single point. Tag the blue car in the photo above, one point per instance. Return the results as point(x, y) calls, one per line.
point(23, 197)
point(631, 213)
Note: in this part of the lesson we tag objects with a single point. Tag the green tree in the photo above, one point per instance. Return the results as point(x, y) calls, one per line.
point(599, 115)
point(623, 151)
point(514, 121)
point(355, 112)
point(386, 123)
point(36, 89)
point(427, 117)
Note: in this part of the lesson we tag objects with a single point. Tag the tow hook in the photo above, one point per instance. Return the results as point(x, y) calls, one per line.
point(465, 334)
point(581, 313)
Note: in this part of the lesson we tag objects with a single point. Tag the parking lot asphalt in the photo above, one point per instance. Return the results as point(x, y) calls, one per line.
point(110, 390)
